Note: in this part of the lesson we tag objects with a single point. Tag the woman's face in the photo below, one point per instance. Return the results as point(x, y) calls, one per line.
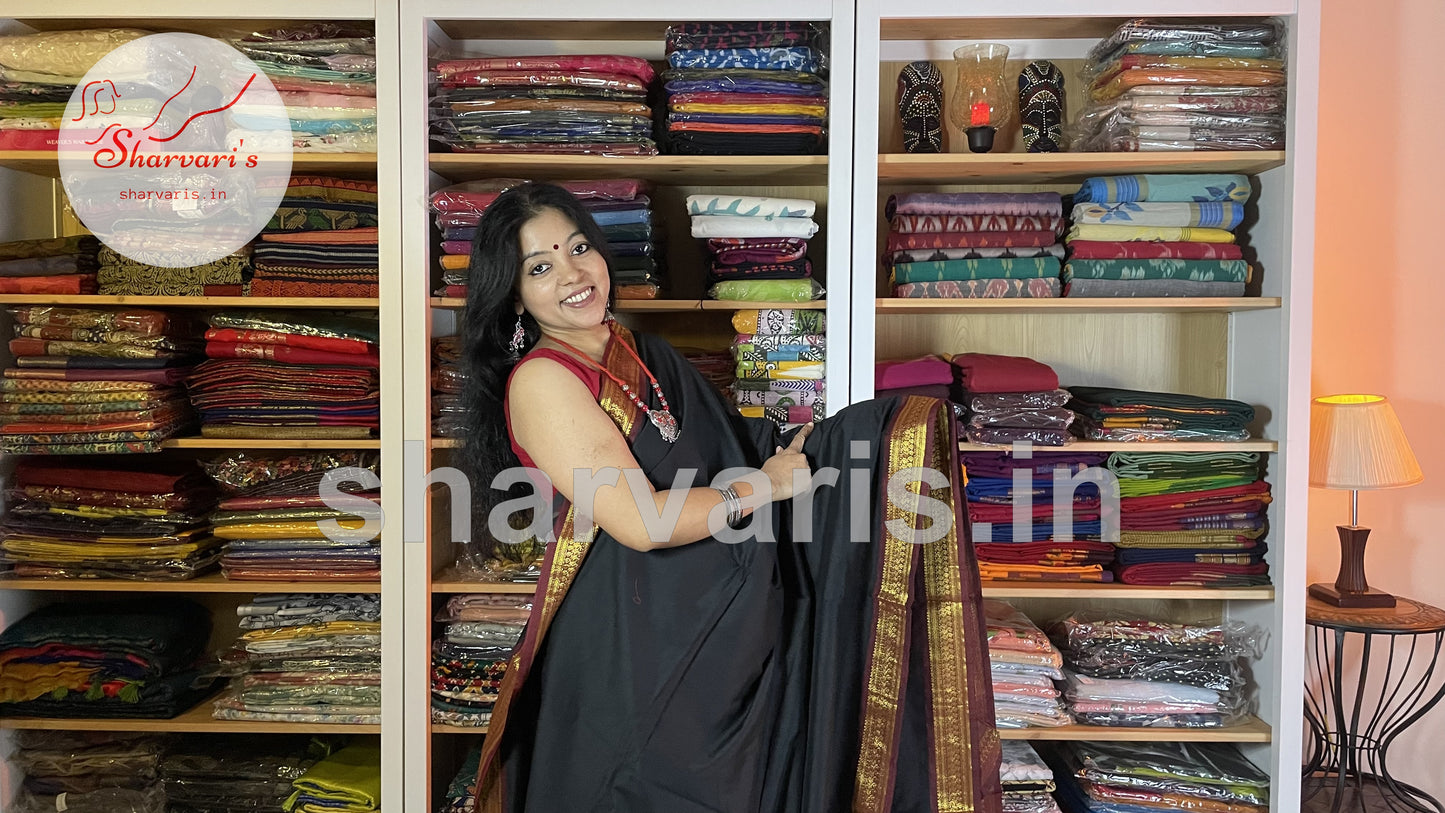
point(563, 281)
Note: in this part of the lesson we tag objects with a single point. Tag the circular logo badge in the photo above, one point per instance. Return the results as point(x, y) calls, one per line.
point(175, 150)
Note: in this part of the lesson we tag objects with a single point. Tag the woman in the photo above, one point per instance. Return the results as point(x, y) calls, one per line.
point(665, 670)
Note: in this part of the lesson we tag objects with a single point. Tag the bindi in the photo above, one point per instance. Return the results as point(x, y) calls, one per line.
point(555, 246)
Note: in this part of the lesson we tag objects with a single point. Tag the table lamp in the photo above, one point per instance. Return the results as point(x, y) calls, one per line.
point(1356, 443)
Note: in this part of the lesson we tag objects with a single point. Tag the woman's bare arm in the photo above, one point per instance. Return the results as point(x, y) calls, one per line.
point(563, 430)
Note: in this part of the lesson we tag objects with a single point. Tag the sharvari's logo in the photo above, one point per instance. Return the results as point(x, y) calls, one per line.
point(175, 150)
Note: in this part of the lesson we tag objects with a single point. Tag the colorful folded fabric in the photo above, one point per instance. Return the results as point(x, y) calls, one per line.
point(981, 239)
point(933, 224)
point(964, 270)
point(981, 289)
point(1208, 214)
point(983, 372)
point(1110, 233)
point(1046, 204)
point(1139, 250)
point(1169, 188)
point(1078, 288)
point(1236, 271)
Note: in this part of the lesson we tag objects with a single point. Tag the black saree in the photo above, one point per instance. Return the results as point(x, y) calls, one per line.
point(772, 675)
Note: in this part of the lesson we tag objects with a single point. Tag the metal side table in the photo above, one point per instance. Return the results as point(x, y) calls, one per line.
point(1350, 733)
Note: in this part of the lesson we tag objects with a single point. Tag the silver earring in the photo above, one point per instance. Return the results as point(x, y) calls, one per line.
point(519, 338)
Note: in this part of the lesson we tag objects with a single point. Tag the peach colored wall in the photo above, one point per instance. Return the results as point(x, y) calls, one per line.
point(1379, 321)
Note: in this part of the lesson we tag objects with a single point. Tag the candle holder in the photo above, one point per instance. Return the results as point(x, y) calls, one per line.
point(982, 104)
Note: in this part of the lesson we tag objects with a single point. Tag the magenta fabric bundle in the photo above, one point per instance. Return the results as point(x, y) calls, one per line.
point(919, 372)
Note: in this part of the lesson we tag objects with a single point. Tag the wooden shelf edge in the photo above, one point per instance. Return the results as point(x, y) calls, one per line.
point(271, 443)
point(1111, 591)
point(1062, 167)
point(95, 300)
point(712, 169)
point(443, 728)
point(45, 162)
point(210, 583)
point(1265, 446)
point(907, 307)
point(196, 720)
point(1252, 729)
point(667, 305)
point(455, 586)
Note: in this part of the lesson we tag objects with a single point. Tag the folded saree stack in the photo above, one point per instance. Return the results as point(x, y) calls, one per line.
point(207, 773)
point(326, 76)
point(307, 658)
point(1185, 85)
point(38, 74)
point(621, 207)
point(119, 275)
point(1010, 399)
point(62, 265)
point(93, 519)
point(288, 375)
point(277, 527)
point(575, 104)
point(470, 657)
point(1041, 548)
point(1028, 783)
point(756, 247)
point(717, 366)
point(1024, 664)
point(1144, 777)
point(1157, 235)
point(461, 793)
point(974, 245)
point(92, 771)
point(95, 381)
point(321, 242)
point(1192, 519)
point(929, 376)
point(105, 660)
point(1139, 672)
point(746, 88)
point(348, 781)
point(1108, 413)
point(787, 390)
point(448, 411)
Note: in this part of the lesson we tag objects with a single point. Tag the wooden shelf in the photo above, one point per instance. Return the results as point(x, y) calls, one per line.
point(1060, 167)
point(682, 170)
point(271, 443)
point(92, 301)
point(668, 305)
point(1222, 304)
point(1266, 446)
point(446, 443)
point(197, 720)
point(210, 583)
point(43, 162)
point(443, 728)
point(1252, 729)
point(1065, 590)
point(525, 588)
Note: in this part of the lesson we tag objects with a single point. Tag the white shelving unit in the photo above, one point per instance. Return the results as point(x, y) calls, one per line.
point(454, 28)
point(1254, 349)
point(31, 206)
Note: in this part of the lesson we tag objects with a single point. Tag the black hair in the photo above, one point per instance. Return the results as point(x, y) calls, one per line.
point(487, 327)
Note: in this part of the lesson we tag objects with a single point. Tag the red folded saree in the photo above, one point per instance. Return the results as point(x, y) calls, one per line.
point(984, 372)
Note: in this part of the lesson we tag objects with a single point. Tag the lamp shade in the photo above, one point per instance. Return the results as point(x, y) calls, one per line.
point(1356, 442)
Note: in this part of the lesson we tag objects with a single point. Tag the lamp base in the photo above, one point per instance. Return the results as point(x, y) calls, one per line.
point(1369, 600)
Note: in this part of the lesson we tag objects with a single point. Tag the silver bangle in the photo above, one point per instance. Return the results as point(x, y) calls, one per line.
point(734, 505)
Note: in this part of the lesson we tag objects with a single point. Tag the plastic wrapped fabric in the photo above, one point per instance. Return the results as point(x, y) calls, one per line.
point(992, 403)
point(782, 290)
point(1052, 418)
point(1202, 38)
point(750, 34)
point(1216, 771)
point(247, 472)
point(151, 799)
